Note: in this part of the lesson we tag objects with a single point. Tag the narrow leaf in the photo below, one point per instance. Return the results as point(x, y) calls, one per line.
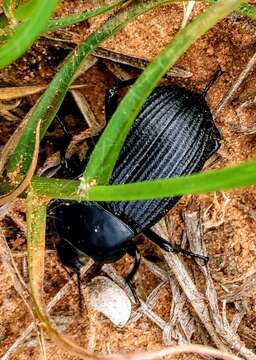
point(25, 182)
point(26, 33)
point(218, 180)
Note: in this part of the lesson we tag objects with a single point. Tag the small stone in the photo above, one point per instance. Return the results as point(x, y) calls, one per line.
point(210, 51)
point(108, 298)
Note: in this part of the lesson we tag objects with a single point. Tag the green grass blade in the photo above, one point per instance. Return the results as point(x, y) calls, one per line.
point(24, 12)
point(248, 10)
point(218, 180)
point(244, 9)
point(107, 150)
point(56, 24)
point(51, 100)
point(25, 33)
point(36, 224)
point(36, 220)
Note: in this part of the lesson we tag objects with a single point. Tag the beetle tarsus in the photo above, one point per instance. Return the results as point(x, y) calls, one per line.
point(177, 249)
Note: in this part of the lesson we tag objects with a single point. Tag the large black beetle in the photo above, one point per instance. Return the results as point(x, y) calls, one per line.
point(174, 134)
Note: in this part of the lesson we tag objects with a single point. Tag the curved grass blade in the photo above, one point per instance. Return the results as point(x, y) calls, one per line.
point(28, 176)
point(25, 11)
point(24, 34)
point(218, 180)
point(36, 222)
point(51, 100)
point(101, 163)
point(244, 9)
point(56, 24)
point(13, 141)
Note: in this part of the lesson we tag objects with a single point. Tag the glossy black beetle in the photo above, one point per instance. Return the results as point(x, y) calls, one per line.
point(173, 135)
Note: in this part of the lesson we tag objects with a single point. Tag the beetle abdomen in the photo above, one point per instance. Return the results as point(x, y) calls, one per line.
point(173, 135)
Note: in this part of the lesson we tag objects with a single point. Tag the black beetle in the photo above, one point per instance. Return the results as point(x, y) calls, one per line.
point(174, 134)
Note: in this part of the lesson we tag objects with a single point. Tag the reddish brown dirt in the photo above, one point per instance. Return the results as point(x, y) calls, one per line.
point(231, 243)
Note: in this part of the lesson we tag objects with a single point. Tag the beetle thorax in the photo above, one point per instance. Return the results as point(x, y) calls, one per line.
point(88, 229)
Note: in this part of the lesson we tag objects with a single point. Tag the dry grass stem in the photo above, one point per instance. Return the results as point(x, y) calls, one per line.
point(85, 109)
point(11, 269)
point(211, 318)
point(218, 212)
point(229, 94)
point(245, 290)
point(19, 285)
point(136, 62)
point(6, 107)
point(187, 12)
point(10, 93)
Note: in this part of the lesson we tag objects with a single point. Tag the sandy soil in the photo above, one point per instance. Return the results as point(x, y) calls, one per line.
point(229, 223)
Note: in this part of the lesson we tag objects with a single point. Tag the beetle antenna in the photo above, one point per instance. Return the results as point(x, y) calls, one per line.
point(215, 76)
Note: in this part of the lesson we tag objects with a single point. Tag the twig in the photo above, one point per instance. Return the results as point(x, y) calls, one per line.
point(187, 12)
point(229, 94)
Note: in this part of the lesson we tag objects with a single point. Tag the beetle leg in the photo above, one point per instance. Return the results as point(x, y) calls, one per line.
point(66, 140)
point(111, 97)
point(166, 246)
point(81, 296)
point(58, 159)
point(134, 252)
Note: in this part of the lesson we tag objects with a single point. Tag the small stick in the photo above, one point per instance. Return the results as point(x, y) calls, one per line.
point(229, 94)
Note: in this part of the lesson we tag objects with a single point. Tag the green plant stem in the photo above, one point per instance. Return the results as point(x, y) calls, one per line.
point(244, 9)
point(106, 152)
point(36, 219)
point(52, 98)
point(219, 180)
point(25, 33)
point(24, 12)
point(36, 223)
point(56, 24)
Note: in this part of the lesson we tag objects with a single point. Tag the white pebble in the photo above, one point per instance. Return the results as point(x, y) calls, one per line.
point(108, 298)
